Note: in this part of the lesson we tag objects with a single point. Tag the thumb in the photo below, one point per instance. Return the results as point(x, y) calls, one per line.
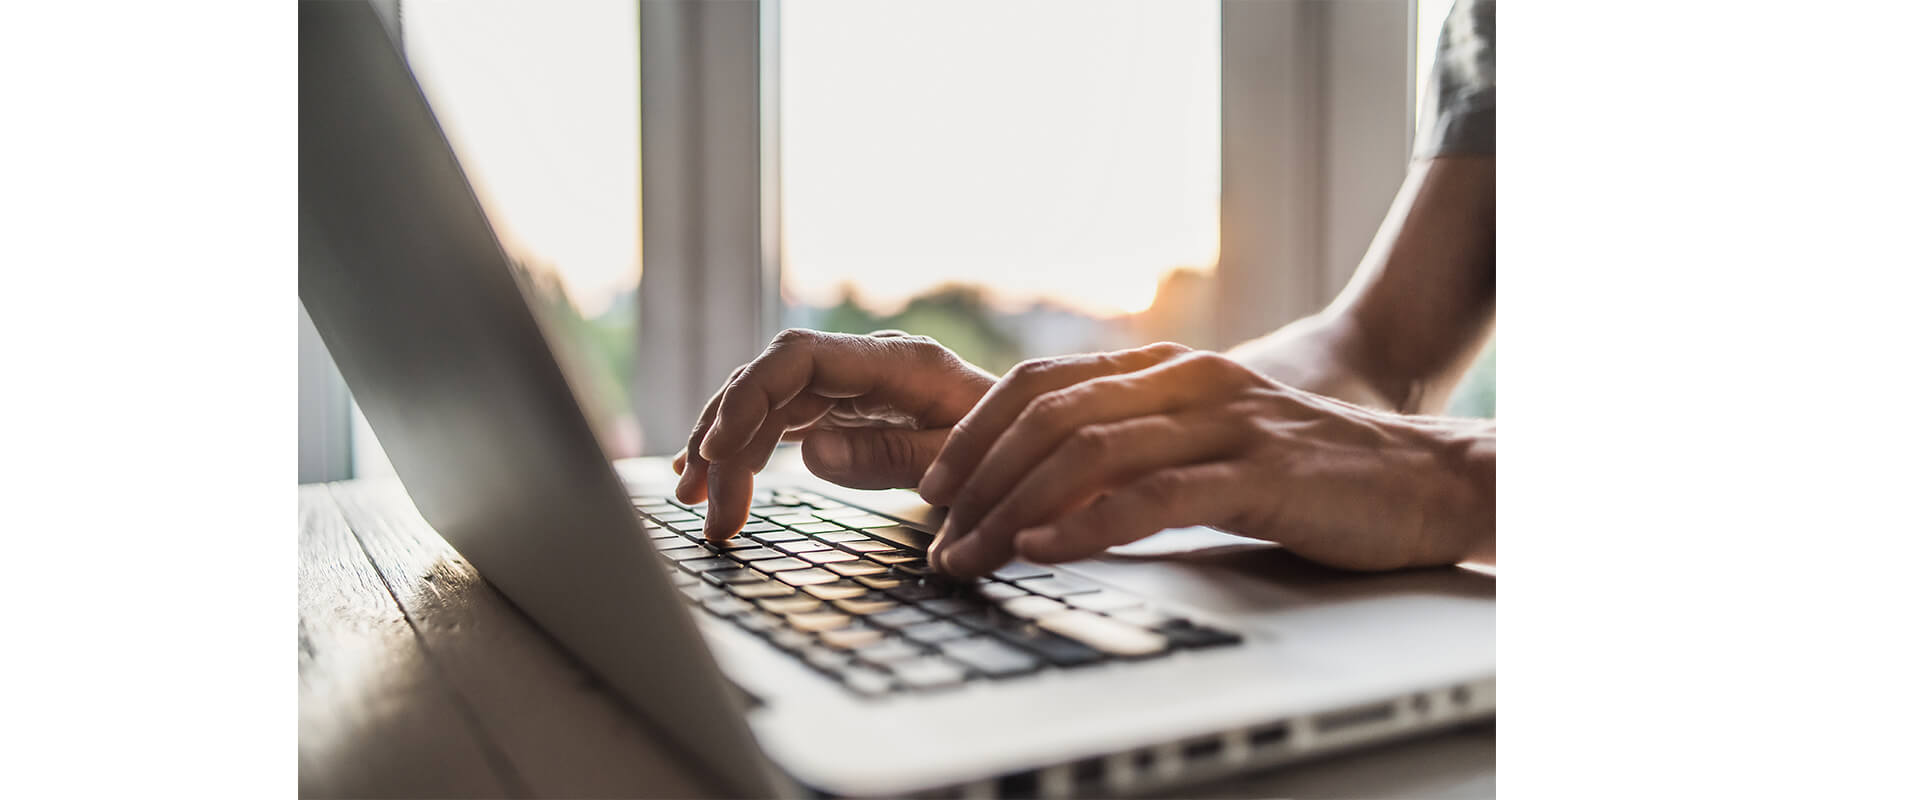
point(872, 458)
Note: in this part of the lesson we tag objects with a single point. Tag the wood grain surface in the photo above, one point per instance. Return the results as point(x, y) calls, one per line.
point(375, 719)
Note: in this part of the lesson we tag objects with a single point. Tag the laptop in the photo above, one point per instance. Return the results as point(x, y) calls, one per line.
point(815, 653)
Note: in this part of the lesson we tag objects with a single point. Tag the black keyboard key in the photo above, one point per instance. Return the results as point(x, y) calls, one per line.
point(818, 527)
point(761, 589)
point(726, 606)
point(855, 568)
point(888, 651)
point(1104, 633)
point(990, 657)
point(913, 590)
point(707, 564)
point(866, 681)
point(781, 564)
point(675, 516)
point(1020, 571)
point(816, 621)
point(702, 591)
point(1193, 636)
point(790, 639)
point(826, 659)
point(844, 536)
point(915, 569)
point(905, 537)
point(876, 582)
point(956, 605)
point(929, 672)
point(756, 553)
point(866, 545)
point(837, 590)
point(828, 556)
point(725, 576)
point(1058, 586)
point(806, 577)
point(738, 543)
point(850, 637)
point(684, 553)
point(803, 546)
point(935, 632)
point(893, 556)
point(1057, 650)
point(778, 536)
point(900, 617)
point(995, 590)
point(791, 603)
point(759, 622)
point(870, 603)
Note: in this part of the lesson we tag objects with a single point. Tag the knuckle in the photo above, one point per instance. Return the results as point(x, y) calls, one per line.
point(925, 348)
point(1162, 351)
point(1159, 491)
point(1215, 369)
point(1028, 371)
point(794, 336)
point(1090, 444)
point(1047, 410)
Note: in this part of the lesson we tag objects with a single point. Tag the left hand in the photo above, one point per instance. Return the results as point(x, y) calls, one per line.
point(1066, 457)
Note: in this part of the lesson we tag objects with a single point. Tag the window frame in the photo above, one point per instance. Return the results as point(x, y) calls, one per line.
point(1317, 122)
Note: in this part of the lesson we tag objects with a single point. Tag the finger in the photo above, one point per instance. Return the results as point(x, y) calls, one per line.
point(1096, 459)
point(1010, 395)
point(1199, 494)
point(913, 374)
point(1047, 422)
point(692, 487)
point(730, 480)
point(680, 461)
point(872, 458)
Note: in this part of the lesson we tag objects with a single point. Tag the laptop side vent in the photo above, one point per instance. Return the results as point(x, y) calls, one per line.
point(1351, 718)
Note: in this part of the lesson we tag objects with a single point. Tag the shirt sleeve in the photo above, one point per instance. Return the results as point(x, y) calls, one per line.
point(1458, 114)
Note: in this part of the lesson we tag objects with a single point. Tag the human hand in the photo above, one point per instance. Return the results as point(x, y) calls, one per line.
point(1066, 457)
point(870, 412)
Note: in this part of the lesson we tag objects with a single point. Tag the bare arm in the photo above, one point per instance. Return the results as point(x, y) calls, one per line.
point(1421, 303)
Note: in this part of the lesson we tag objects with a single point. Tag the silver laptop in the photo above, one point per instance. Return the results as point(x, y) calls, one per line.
point(815, 652)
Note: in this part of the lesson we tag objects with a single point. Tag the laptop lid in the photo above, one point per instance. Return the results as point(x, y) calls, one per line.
point(414, 296)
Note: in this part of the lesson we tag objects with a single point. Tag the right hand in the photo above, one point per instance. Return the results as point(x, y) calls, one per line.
point(870, 412)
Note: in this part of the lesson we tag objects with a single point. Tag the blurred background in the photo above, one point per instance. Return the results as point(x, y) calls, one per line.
point(676, 181)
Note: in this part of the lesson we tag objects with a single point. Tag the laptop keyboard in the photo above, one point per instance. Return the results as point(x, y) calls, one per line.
point(848, 592)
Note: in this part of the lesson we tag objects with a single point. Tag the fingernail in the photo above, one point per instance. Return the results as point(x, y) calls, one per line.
point(946, 554)
point(706, 452)
point(831, 451)
point(934, 483)
point(938, 547)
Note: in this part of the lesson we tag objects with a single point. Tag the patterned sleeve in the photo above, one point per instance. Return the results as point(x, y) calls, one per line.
point(1458, 113)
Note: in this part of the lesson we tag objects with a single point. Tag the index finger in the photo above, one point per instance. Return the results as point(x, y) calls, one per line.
point(903, 371)
point(976, 433)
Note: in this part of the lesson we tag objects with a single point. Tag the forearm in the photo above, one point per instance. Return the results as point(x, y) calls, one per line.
point(1418, 309)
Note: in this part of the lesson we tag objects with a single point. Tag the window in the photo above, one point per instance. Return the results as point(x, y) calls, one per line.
point(541, 104)
point(1014, 179)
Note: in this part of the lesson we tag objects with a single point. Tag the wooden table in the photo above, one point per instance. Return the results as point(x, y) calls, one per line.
point(418, 679)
